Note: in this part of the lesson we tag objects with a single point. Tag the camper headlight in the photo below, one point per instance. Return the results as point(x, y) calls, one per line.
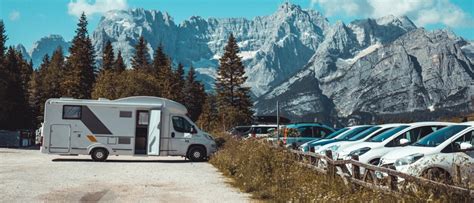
point(359, 151)
point(408, 159)
point(209, 137)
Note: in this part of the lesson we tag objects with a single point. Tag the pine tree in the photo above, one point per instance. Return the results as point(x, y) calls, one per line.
point(179, 83)
point(80, 71)
point(140, 60)
point(119, 65)
point(51, 74)
point(193, 95)
point(107, 56)
point(164, 73)
point(16, 107)
point(3, 40)
point(34, 98)
point(233, 98)
point(208, 118)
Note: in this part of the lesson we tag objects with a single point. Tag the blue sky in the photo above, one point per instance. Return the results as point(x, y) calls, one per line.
point(28, 20)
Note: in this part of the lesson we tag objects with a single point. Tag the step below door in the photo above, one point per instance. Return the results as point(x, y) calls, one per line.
point(154, 132)
point(60, 139)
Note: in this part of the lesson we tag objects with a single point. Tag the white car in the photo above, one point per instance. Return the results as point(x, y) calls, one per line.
point(371, 150)
point(309, 146)
point(261, 130)
point(436, 154)
point(361, 137)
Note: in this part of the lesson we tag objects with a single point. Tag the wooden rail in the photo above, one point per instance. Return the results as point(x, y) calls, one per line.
point(392, 182)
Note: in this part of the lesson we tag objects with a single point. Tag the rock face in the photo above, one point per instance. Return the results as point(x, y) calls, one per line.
point(23, 52)
point(272, 47)
point(419, 70)
point(313, 68)
point(47, 45)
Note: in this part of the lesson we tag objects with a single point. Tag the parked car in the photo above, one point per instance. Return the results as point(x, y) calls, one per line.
point(239, 131)
point(300, 133)
point(260, 130)
point(308, 146)
point(373, 149)
point(435, 155)
point(361, 137)
point(346, 136)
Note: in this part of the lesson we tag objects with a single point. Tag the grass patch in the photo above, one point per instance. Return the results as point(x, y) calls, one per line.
point(272, 174)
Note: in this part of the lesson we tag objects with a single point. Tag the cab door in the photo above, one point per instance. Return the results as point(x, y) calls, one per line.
point(180, 129)
point(154, 132)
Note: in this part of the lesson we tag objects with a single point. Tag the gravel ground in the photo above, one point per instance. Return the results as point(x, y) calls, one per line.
point(28, 175)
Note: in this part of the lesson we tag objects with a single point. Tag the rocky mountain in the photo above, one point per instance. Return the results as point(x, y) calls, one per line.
point(47, 45)
point(418, 70)
point(312, 67)
point(272, 47)
point(23, 52)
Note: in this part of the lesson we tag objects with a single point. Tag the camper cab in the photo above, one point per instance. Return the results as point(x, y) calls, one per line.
point(139, 125)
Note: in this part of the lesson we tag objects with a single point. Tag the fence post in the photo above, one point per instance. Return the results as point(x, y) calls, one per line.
point(393, 180)
point(457, 178)
point(331, 167)
point(355, 168)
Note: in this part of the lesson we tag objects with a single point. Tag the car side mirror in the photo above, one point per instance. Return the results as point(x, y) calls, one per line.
point(404, 141)
point(465, 146)
point(193, 130)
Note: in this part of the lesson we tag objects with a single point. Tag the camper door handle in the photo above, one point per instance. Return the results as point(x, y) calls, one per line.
point(172, 134)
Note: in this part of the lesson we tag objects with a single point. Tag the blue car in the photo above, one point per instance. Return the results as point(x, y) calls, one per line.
point(300, 133)
point(334, 137)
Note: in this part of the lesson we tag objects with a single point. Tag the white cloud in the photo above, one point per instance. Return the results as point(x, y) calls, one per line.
point(14, 15)
point(423, 12)
point(76, 7)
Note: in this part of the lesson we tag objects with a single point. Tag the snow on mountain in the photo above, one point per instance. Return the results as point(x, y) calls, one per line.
point(47, 45)
point(272, 47)
point(313, 68)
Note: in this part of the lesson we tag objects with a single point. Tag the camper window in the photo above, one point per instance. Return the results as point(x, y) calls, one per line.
point(143, 117)
point(72, 112)
point(182, 125)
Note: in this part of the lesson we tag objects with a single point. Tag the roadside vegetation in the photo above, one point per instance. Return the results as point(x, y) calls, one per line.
point(273, 174)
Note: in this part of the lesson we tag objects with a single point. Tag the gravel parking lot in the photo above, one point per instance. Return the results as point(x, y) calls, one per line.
point(28, 175)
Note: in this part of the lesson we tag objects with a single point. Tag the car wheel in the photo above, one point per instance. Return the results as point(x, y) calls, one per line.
point(438, 175)
point(99, 154)
point(374, 162)
point(196, 154)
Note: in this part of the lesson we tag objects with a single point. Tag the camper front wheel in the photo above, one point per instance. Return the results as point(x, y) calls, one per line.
point(99, 154)
point(197, 153)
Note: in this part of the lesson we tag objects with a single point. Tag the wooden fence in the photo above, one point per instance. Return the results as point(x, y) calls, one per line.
point(351, 173)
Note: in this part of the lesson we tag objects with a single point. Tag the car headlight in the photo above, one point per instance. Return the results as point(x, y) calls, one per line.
point(360, 151)
point(408, 159)
point(334, 148)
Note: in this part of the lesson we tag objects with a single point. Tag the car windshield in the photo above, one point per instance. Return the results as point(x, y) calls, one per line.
point(364, 133)
point(353, 132)
point(387, 134)
point(334, 134)
point(436, 138)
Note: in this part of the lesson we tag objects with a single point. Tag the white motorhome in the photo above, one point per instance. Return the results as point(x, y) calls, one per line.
point(138, 125)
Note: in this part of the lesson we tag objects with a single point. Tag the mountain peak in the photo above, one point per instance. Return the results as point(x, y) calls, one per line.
point(400, 21)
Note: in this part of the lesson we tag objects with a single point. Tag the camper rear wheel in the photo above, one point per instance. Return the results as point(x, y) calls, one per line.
point(99, 154)
point(197, 153)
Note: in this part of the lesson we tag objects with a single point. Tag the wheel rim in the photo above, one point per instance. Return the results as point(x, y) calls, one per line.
point(99, 155)
point(197, 154)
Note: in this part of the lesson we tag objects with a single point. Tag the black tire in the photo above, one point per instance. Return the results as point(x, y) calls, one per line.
point(374, 162)
point(99, 154)
point(197, 154)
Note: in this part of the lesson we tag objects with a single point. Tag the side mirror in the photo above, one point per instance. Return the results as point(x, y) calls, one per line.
point(465, 146)
point(404, 141)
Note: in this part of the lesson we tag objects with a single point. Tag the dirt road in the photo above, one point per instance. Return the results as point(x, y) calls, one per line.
point(28, 175)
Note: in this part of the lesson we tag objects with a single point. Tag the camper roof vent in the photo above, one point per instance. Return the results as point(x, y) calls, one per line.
point(103, 99)
point(66, 98)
